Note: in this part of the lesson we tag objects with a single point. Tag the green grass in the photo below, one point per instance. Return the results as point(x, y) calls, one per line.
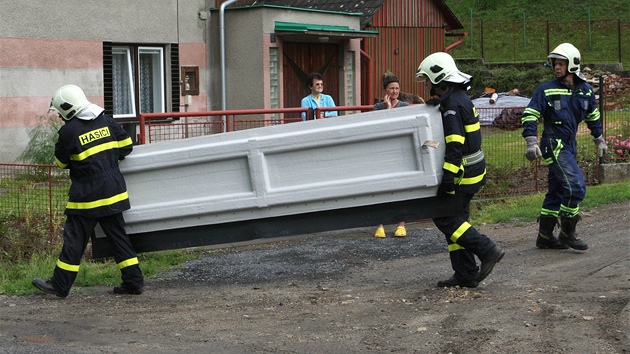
point(527, 207)
point(16, 277)
point(513, 38)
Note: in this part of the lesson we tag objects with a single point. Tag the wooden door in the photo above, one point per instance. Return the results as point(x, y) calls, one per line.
point(301, 59)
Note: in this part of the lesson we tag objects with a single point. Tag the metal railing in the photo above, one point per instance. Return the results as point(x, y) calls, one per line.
point(154, 127)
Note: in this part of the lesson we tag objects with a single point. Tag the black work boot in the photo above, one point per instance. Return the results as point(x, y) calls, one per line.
point(488, 261)
point(546, 239)
point(567, 233)
point(453, 282)
point(46, 286)
point(128, 289)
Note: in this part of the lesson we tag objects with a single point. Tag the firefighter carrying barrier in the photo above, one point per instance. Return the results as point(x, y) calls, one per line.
point(328, 174)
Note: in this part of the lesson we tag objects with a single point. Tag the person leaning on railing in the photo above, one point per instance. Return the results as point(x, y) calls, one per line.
point(317, 98)
point(391, 86)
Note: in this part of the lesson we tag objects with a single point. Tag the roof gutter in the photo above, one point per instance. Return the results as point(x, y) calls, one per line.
point(461, 36)
point(370, 75)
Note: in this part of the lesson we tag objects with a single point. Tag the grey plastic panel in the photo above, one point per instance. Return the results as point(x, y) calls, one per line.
point(327, 164)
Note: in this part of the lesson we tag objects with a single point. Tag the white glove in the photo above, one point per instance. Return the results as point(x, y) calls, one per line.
point(602, 147)
point(533, 151)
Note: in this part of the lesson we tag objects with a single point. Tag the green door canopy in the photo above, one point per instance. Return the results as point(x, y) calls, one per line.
point(288, 28)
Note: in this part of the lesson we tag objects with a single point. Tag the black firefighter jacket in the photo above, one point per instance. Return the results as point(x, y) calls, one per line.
point(464, 163)
point(91, 150)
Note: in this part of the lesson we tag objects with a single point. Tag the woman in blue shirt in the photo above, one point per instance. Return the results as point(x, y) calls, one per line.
point(317, 99)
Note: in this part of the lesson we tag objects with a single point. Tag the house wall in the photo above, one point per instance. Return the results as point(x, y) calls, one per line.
point(247, 42)
point(409, 30)
point(44, 46)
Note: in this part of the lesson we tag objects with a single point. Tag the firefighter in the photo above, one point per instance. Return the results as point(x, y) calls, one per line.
point(91, 144)
point(561, 104)
point(464, 171)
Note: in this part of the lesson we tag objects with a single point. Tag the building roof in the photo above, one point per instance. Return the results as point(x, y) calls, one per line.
point(322, 30)
point(366, 7)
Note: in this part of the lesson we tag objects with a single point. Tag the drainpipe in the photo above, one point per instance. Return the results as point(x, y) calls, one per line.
point(370, 75)
point(222, 36)
point(461, 39)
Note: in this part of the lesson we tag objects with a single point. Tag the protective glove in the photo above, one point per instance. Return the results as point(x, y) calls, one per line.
point(533, 151)
point(446, 190)
point(602, 147)
point(433, 102)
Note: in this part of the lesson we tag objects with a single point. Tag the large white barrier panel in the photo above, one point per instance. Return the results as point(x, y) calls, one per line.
point(328, 164)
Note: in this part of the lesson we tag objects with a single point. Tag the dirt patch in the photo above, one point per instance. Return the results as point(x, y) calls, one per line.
point(346, 291)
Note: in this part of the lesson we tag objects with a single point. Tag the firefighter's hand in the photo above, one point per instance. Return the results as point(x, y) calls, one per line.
point(602, 147)
point(446, 190)
point(433, 102)
point(533, 151)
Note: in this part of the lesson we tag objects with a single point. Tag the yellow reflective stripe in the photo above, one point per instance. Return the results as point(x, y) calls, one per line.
point(472, 127)
point(455, 247)
point(532, 112)
point(526, 119)
point(454, 138)
point(549, 212)
point(460, 231)
point(450, 167)
point(94, 150)
point(473, 180)
point(593, 116)
point(125, 142)
point(556, 151)
point(68, 267)
point(571, 212)
point(98, 203)
point(558, 91)
point(128, 262)
point(60, 164)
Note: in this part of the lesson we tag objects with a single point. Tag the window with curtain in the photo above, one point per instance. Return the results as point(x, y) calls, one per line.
point(151, 80)
point(122, 83)
point(136, 77)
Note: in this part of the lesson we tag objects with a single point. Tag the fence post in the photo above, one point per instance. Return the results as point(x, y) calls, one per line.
point(483, 56)
point(602, 98)
point(547, 26)
point(50, 207)
point(619, 40)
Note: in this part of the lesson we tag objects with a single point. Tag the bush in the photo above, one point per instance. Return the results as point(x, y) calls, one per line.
point(619, 147)
point(41, 146)
point(24, 235)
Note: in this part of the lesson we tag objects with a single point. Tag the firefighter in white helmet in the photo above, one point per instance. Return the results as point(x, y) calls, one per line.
point(464, 171)
point(90, 145)
point(561, 104)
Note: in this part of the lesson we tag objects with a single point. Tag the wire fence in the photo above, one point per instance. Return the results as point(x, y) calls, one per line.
point(599, 41)
point(40, 191)
point(34, 195)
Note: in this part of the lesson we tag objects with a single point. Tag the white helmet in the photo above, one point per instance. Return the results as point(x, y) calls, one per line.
point(69, 101)
point(439, 67)
point(568, 52)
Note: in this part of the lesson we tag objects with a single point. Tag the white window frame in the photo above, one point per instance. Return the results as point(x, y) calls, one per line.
point(130, 80)
point(157, 91)
point(133, 72)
